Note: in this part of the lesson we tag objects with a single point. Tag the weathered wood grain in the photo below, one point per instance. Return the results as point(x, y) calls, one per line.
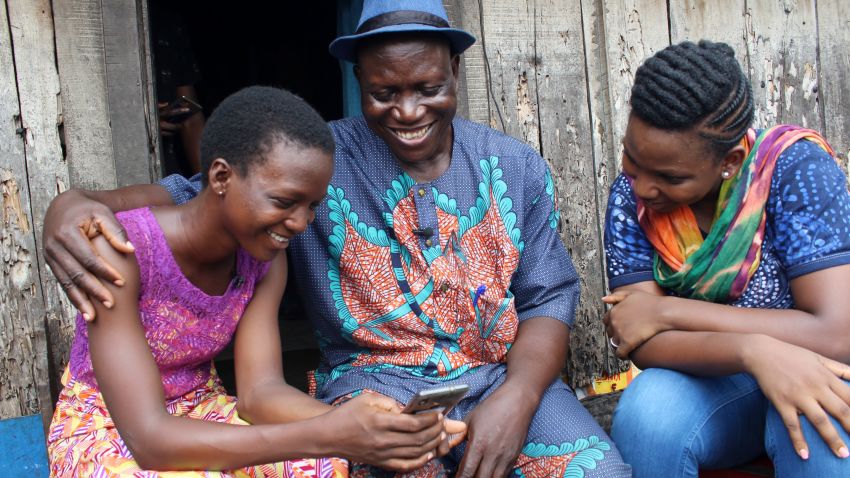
point(82, 77)
point(31, 171)
point(605, 148)
point(508, 31)
point(454, 12)
point(634, 30)
point(475, 83)
point(566, 143)
point(127, 84)
point(148, 75)
point(718, 21)
point(834, 82)
point(782, 48)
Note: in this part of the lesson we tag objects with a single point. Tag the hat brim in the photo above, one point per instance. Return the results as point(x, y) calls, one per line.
point(345, 48)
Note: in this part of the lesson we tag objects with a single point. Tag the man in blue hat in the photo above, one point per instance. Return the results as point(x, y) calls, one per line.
point(434, 261)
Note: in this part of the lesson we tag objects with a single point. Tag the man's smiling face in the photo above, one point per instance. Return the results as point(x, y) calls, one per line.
point(409, 95)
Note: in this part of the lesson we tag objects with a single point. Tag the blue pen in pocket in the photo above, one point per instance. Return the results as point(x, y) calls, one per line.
point(478, 293)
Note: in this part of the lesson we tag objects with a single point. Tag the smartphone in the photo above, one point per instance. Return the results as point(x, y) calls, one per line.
point(182, 102)
point(439, 399)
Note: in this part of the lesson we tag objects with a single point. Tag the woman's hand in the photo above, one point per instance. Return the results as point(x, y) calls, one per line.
point(371, 429)
point(801, 382)
point(634, 318)
point(70, 223)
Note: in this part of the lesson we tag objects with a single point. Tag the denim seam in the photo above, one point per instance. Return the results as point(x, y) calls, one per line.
point(695, 431)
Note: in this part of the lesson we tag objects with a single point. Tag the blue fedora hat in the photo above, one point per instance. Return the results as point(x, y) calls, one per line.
point(389, 16)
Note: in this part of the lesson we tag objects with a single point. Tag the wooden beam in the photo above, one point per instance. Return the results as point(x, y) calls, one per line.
point(475, 64)
point(82, 76)
point(454, 12)
point(606, 164)
point(128, 92)
point(634, 31)
point(719, 21)
point(782, 48)
point(32, 172)
point(834, 81)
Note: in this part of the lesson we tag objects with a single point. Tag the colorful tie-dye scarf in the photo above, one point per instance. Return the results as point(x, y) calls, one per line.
point(718, 268)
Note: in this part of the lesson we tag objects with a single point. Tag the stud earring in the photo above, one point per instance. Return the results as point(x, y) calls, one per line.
point(221, 193)
point(725, 174)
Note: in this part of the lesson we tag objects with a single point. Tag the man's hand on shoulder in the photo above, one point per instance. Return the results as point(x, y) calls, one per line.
point(70, 223)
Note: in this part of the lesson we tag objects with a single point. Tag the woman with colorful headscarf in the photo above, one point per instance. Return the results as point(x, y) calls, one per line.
point(728, 256)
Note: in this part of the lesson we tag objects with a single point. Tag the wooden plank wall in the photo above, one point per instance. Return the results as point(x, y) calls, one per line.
point(58, 129)
point(557, 74)
point(23, 349)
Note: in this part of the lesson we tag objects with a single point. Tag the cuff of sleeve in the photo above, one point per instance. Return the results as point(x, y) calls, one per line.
point(821, 263)
point(549, 311)
point(630, 278)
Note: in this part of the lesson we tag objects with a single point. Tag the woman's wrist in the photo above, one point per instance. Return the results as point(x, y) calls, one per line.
point(318, 437)
point(669, 309)
point(749, 348)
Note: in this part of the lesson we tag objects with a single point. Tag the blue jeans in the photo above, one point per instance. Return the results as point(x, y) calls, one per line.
point(671, 424)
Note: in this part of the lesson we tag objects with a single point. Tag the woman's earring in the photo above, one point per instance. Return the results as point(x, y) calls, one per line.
point(725, 174)
point(221, 192)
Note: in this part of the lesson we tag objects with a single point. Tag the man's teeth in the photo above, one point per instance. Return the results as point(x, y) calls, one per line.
point(278, 237)
point(416, 134)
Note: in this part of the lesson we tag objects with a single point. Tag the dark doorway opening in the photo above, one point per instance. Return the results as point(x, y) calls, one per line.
point(253, 42)
point(239, 44)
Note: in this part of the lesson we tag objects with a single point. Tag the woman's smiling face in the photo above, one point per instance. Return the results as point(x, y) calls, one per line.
point(670, 168)
point(277, 197)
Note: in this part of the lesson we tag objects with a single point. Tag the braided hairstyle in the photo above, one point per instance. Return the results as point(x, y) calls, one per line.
point(695, 85)
point(249, 123)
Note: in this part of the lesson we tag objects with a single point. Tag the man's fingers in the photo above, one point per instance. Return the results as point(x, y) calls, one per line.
point(90, 285)
point(503, 466)
point(470, 462)
point(80, 256)
point(81, 302)
point(116, 236)
point(81, 287)
point(792, 424)
point(487, 466)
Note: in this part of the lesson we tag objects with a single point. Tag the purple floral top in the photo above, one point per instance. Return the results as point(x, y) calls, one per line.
point(184, 326)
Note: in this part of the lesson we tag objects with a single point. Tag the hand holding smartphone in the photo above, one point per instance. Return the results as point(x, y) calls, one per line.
point(179, 110)
point(440, 399)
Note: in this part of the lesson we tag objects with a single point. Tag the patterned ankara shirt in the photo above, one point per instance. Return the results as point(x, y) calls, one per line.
point(411, 284)
point(807, 228)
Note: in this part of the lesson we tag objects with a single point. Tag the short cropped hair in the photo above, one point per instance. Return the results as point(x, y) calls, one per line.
point(695, 85)
point(249, 123)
